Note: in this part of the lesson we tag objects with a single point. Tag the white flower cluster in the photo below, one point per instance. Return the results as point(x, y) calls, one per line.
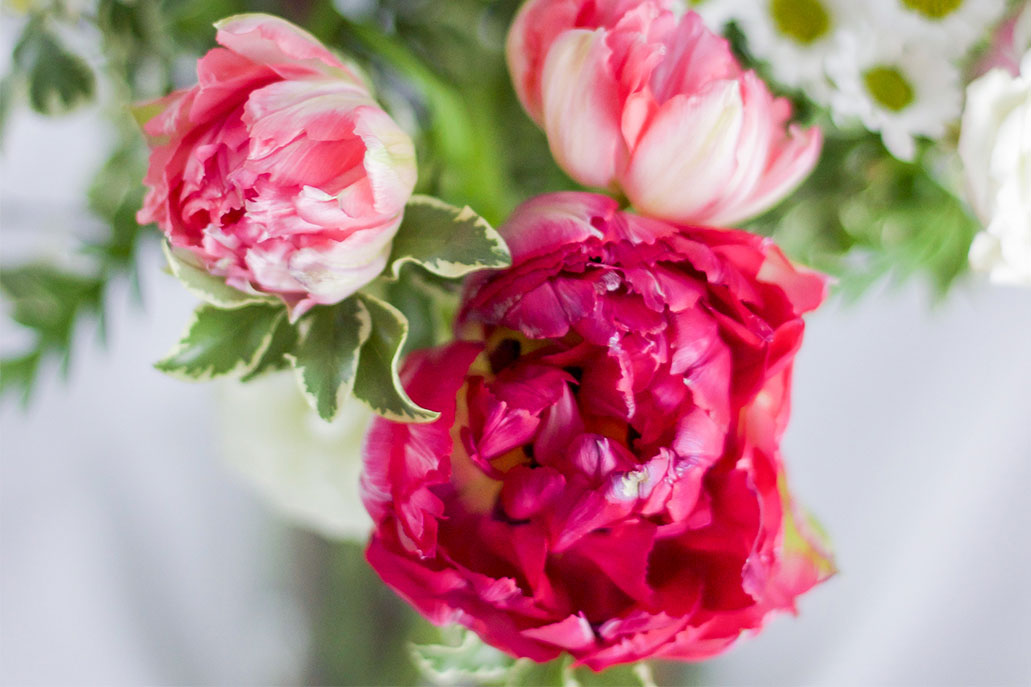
point(893, 65)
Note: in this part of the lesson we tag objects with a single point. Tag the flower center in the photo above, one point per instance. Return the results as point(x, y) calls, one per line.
point(933, 9)
point(889, 87)
point(803, 21)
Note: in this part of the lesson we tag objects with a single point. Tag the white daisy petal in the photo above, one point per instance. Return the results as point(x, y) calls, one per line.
point(897, 88)
point(796, 37)
point(953, 26)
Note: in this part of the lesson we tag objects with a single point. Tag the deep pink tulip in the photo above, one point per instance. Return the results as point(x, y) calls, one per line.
point(635, 100)
point(278, 171)
point(605, 477)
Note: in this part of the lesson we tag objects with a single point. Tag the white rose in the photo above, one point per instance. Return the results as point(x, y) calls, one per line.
point(306, 468)
point(995, 146)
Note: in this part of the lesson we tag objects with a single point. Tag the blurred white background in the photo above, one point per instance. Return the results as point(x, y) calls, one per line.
point(129, 555)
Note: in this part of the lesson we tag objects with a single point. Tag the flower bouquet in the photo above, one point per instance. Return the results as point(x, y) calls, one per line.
point(515, 289)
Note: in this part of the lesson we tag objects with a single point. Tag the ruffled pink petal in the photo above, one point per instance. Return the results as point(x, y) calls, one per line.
point(288, 49)
point(527, 491)
point(547, 222)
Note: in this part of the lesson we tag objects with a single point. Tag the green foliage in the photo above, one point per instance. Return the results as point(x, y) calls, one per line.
point(354, 346)
point(326, 355)
point(59, 298)
point(476, 145)
point(377, 383)
point(361, 627)
point(465, 660)
point(48, 302)
point(864, 216)
point(114, 197)
point(58, 80)
point(284, 342)
point(221, 342)
point(55, 81)
point(447, 241)
point(428, 303)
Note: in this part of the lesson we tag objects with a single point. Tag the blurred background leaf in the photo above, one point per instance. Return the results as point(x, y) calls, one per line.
point(865, 217)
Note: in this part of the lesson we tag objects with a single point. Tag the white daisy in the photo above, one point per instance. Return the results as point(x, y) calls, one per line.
point(900, 89)
point(952, 25)
point(796, 37)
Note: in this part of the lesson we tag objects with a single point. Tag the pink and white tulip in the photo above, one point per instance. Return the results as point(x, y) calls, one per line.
point(278, 171)
point(639, 101)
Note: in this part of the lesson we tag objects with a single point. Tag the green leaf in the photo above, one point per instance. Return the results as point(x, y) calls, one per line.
point(326, 354)
point(10, 88)
point(562, 673)
point(377, 383)
point(428, 303)
point(49, 300)
point(448, 241)
point(284, 341)
point(627, 675)
point(121, 18)
point(114, 196)
point(221, 342)
point(58, 80)
point(211, 289)
point(469, 661)
point(18, 374)
point(466, 660)
point(463, 132)
point(865, 217)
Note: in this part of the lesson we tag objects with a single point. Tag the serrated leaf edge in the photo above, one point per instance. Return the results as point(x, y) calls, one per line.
point(255, 372)
point(446, 268)
point(346, 389)
point(452, 674)
point(419, 414)
point(241, 369)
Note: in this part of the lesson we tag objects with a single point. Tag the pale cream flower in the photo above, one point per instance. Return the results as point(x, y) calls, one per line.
point(995, 146)
point(305, 468)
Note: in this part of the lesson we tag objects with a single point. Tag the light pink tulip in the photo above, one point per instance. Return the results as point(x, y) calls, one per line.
point(278, 171)
point(637, 100)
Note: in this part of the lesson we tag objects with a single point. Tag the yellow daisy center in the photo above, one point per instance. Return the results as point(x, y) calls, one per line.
point(933, 9)
point(889, 87)
point(803, 21)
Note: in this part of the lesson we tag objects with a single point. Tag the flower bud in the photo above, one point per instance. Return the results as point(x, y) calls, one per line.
point(638, 101)
point(278, 171)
